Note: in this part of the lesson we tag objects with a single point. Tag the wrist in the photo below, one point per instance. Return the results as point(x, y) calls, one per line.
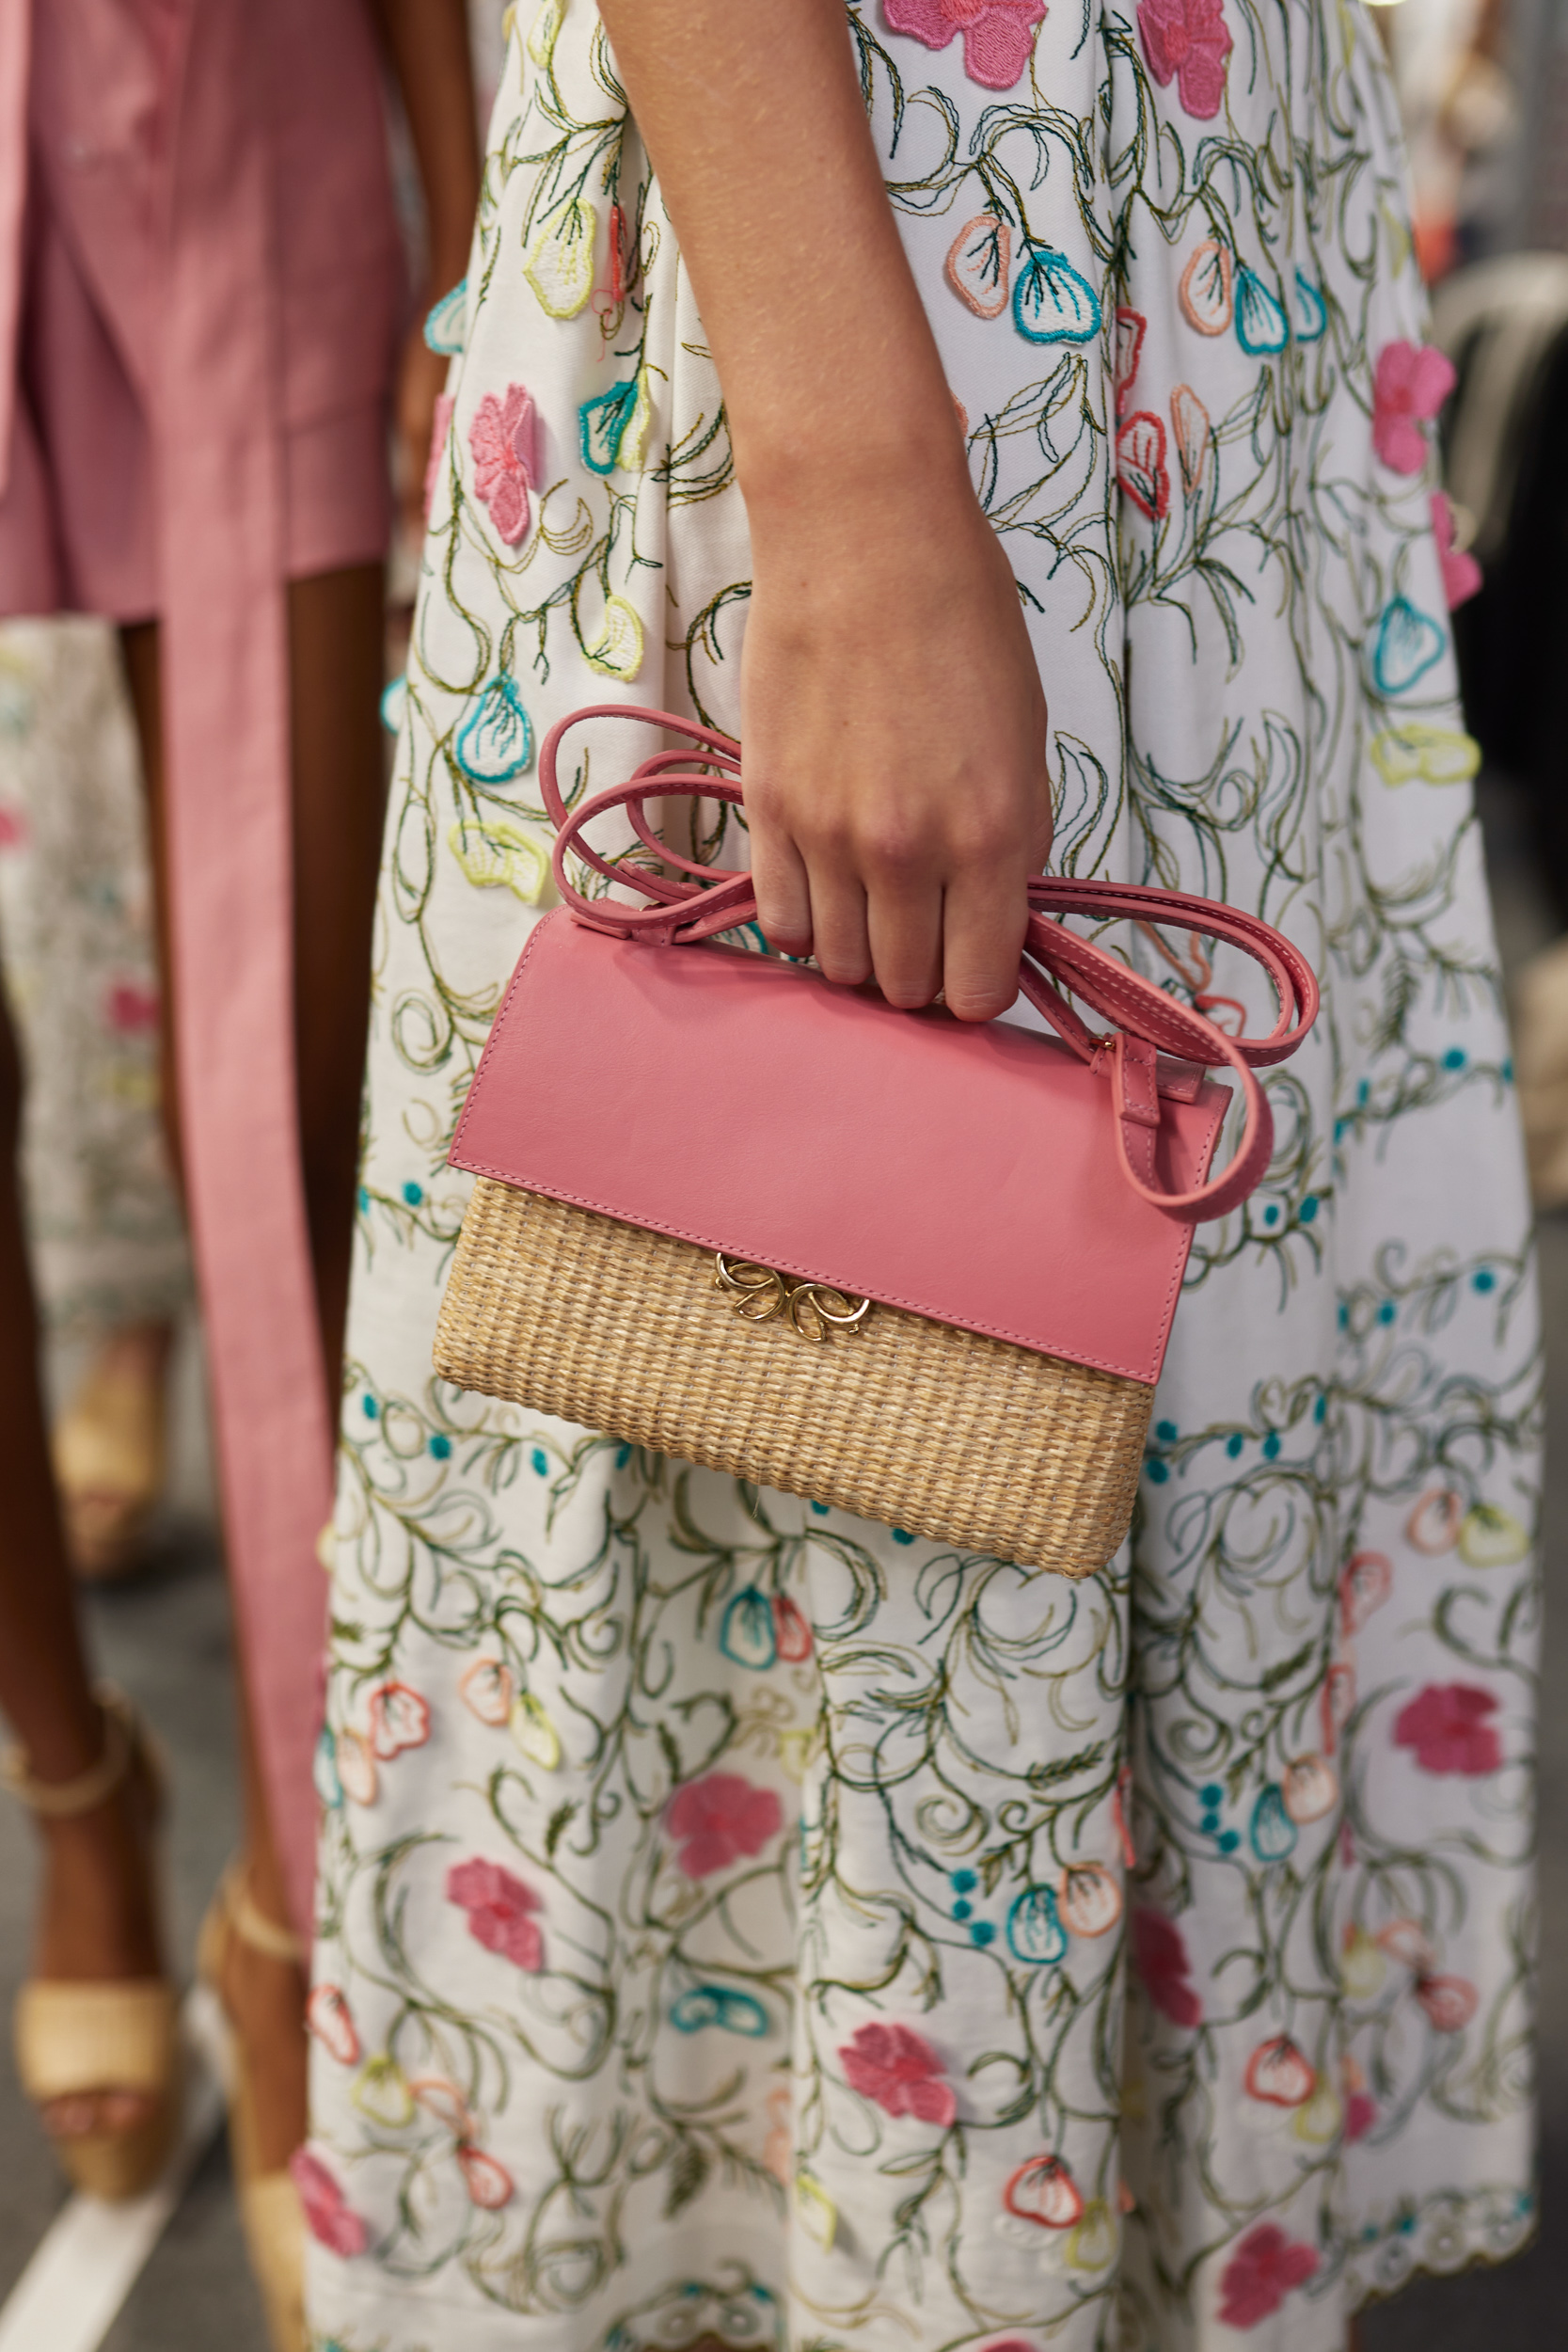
point(795, 476)
point(840, 492)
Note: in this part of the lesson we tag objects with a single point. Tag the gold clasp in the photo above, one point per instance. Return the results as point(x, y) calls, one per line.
point(759, 1293)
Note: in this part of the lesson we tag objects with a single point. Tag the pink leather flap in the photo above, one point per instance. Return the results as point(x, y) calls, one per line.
point(967, 1172)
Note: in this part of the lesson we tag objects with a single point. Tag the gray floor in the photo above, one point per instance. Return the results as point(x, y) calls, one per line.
point(167, 1639)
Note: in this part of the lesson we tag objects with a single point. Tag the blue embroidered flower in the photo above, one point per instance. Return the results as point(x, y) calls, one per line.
point(445, 326)
point(746, 1630)
point(1035, 1932)
point(1053, 303)
point(603, 420)
point(1261, 326)
point(1408, 642)
point(495, 743)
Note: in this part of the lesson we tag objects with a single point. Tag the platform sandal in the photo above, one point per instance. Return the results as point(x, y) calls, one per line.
point(271, 2214)
point(97, 2038)
point(110, 1449)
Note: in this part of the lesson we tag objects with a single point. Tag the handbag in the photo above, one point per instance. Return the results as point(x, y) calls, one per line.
point(919, 1269)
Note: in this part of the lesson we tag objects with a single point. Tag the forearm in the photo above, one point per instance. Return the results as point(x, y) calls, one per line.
point(427, 41)
point(755, 125)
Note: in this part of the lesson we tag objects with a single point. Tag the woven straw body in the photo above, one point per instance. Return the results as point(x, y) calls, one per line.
point(942, 1432)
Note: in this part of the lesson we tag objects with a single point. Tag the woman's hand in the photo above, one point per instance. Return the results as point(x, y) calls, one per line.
point(894, 738)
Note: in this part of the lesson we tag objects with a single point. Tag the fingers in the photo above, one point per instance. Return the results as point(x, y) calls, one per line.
point(985, 911)
point(778, 879)
point(904, 927)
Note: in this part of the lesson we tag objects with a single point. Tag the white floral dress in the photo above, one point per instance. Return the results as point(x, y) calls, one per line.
point(741, 1922)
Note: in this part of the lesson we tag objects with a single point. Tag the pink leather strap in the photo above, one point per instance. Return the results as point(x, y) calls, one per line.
point(697, 902)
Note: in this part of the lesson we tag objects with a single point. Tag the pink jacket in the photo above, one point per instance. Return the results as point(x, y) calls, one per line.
point(216, 171)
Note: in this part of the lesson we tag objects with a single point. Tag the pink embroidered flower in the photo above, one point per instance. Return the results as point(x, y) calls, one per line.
point(1460, 572)
point(498, 1906)
point(1261, 2274)
point(791, 1633)
point(331, 2220)
point(488, 2183)
point(998, 34)
point(445, 2101)
point(330, 2018)
point(132, 1008)
point(715, 1819)
point(399, 1719)
point(13, 828)
point(440, 424)
point(1360, 2115)
point(1141, 467)
point(1412, 382)
point(1191, 40)
point(902, 2074)
point(1160, 1957)
point(486, 1691)
point(1447, 1727)
point(501, 442)
point(1449, 2002)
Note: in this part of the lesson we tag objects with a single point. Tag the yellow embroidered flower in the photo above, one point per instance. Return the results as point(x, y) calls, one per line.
point(559, 264)
point(501, 857)
point(543, 32)
point(535, 1733)
point(818, 2211)
point(1433, 755)
point(618, 650)
point(381, 2092)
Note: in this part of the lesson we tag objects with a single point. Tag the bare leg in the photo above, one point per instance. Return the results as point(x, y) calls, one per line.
point(96, 1919)
point(335, 654)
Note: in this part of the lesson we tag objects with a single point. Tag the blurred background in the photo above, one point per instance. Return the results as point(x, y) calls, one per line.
point(1484, 88)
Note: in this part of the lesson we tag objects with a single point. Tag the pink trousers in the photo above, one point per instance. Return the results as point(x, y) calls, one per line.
point(200, 293)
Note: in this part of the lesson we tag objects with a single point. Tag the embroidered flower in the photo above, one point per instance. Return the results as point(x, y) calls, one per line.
point(1460, 572)
point(1160, 1957)
point(1190, 41)
point(13, 828)
point(486, 1691)
point(330, 2018)
point(998, 34)
point(355, 1768)
point(488, 2183)
point(717, 1818)
point(445, 2101)
point(399, 1719)
point(902, 2074)
point(1411, 383)
point(791, 1632)
point(1278, 2074)
point(1261, 2274)
point(501, 442)
point(331, 2220)
point(1450, 2002)
point(1044, 2191)
point(1364, 1587)
point(1445, 1725)
point(1141, 467)
point(132, 1008)
point(498, 1906)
